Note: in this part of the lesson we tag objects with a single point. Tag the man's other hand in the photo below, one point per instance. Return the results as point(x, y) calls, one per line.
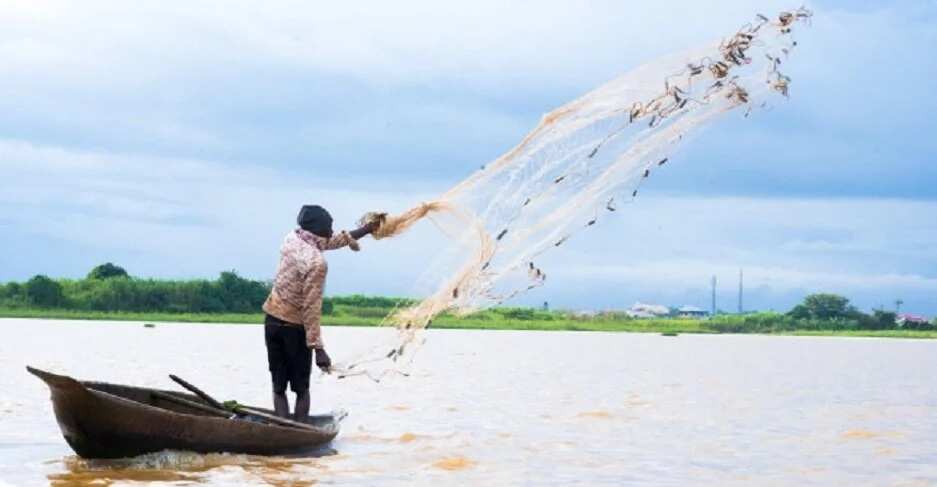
point(323, 361)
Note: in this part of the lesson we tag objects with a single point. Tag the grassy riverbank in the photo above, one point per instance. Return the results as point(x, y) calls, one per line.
point(109, 293)
point(507, 319)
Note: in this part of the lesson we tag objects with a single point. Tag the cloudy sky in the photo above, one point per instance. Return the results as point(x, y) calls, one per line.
point(179, 141)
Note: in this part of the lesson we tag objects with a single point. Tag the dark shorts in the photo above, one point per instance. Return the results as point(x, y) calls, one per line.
point(289, 358)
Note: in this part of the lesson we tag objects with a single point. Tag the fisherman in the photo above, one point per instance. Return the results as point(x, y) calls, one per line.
point(294, 307)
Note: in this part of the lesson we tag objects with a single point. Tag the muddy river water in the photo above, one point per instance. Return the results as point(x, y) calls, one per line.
point(508, 408)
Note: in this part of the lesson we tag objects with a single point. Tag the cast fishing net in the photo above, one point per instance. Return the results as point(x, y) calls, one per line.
point(581, 164)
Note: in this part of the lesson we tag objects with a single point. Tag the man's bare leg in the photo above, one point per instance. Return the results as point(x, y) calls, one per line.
point(281, 405)
point(302, 406)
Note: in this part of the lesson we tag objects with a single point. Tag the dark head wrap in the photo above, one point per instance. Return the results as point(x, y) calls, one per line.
point(315, 219)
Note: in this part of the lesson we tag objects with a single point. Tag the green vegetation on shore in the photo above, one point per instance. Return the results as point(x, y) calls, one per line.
point(108, 293)
point(494, 320)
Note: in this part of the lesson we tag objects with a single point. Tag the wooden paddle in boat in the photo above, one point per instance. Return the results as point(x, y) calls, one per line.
point(236, 408)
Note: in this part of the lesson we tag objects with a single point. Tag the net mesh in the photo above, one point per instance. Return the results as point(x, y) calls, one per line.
point(581, 164)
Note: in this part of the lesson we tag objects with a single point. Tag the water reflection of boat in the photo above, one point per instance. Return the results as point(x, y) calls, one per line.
point(100, 420)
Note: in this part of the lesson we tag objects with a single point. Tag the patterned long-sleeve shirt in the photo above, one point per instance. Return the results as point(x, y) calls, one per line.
point(296, 297)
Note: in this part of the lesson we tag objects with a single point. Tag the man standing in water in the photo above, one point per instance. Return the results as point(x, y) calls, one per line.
point(294, 307)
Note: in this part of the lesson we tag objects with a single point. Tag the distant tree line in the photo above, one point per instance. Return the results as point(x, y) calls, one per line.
point(109, 288)
point(817, 312)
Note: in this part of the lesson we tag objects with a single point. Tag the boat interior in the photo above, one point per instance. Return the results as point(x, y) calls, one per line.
point(151, 397)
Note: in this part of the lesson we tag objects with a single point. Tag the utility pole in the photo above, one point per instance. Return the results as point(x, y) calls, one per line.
point(714, 296)
point(740, 292)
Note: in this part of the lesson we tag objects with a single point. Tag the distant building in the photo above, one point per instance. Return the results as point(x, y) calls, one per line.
point(910, 320)
point(692, 312)
point(644, 310)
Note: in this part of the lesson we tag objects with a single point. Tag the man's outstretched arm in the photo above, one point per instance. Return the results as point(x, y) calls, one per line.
point(349, 238)
point(363, 230)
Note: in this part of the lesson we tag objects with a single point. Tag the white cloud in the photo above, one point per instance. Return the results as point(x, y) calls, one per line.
point(182, 216)
point(398, 40)
point(666, 249)
point(780, 279)
point(342, 83)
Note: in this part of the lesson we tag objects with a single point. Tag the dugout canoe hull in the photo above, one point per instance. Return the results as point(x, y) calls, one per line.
point(101, 420)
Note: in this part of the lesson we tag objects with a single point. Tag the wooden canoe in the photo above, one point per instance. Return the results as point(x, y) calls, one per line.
point(100, 420)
